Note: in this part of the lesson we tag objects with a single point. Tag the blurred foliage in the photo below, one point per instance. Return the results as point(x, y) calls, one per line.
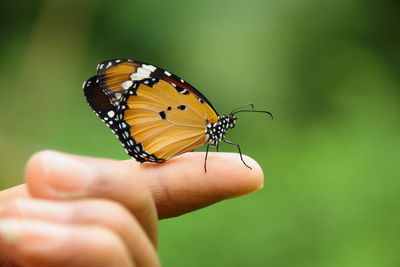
point(328, 70)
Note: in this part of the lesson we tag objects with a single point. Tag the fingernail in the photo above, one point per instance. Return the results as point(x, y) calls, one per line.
point(9, 232)
point(66, 176)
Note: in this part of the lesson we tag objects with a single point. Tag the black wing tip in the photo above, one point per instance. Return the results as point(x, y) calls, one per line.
point(90, 85)
point(96, 98)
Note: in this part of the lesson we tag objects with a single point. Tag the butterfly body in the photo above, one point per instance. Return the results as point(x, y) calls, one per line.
point(215, 132)
point(155, 114)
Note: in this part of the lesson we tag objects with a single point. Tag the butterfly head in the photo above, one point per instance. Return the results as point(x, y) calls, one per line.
point(231, 120)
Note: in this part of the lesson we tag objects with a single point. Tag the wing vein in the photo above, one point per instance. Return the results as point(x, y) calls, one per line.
point(200, 135)
point(155, 111)
point(188, 145)
point(173, 123)
point(156, 132)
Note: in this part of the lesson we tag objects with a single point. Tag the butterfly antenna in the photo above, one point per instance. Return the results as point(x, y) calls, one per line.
point(252, 110)
point(246, 105)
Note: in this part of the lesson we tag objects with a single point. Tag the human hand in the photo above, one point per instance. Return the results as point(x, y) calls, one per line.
point(83, 211)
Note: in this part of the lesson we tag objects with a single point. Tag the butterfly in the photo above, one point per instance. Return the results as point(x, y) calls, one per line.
point(155, 114)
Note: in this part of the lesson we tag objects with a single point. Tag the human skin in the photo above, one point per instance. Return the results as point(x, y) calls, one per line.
point(83, 211)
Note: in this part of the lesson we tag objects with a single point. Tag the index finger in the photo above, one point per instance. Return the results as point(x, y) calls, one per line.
point(177, 186)
point(181, 185)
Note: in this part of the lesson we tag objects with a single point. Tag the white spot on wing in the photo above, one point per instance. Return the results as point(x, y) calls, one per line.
point(143, 72)
point(167, 73)
point(149, 67)
point(111, 113)
point(136, 77)
point(118, 95)
point(140, 74)
point(109, 64)
point(127, 84)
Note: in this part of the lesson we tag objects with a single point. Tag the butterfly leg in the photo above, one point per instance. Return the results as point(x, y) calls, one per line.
point(205, 160)
point(240, 152)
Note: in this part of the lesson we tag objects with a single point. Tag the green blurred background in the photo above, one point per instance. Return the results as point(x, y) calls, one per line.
point(328, 70)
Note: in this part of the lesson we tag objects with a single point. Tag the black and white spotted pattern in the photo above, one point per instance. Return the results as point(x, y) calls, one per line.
point(216, 132)
point(112, 116)
point(107, 94)
point(110, 105)
point(143, 71)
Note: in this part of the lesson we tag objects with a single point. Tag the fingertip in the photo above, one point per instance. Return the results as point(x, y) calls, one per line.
point(225, 174)
point(33, 169)
point(53, 174)
point(256, 173)
point(34, 165)
point(182, 184)
point(236, 177)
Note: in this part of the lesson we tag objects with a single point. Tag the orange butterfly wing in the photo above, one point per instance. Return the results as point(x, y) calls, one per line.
point(164, 121)
point(158, 115)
